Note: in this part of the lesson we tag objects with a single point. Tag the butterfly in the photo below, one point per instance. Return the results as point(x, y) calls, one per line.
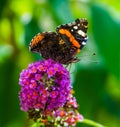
point(62, 45)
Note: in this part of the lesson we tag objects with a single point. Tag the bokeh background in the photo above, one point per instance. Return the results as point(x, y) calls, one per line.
point(96, 78)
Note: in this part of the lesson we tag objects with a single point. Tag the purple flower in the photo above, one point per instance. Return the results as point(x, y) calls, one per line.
point(45, 85)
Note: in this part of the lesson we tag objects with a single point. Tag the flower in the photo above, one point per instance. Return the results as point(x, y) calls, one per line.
point(45, 85)
point(68, 115)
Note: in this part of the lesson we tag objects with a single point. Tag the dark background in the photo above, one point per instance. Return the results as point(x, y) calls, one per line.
point(96, 79)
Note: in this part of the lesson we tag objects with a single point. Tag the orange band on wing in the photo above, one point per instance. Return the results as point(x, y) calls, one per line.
point(37, 39)
point(71, 37)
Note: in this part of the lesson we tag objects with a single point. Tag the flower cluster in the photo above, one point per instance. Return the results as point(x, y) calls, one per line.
point(46, 94)
point(45, 86)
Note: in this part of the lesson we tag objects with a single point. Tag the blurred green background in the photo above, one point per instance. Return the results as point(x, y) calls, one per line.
point(96, 78)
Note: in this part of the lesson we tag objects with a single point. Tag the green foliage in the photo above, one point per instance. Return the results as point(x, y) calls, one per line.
point(106, 32)
point(97, 86)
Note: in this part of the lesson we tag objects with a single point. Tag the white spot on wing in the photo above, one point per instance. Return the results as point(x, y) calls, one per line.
point(80, 32)
point(83, 43)
point(86, 38)
point(75, 27)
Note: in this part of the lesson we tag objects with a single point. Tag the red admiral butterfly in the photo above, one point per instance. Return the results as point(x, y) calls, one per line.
point(63, 45)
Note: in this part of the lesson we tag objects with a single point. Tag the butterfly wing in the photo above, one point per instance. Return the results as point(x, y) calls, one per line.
point(74, 33)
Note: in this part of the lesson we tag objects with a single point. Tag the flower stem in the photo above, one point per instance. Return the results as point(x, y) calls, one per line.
point(92, 123)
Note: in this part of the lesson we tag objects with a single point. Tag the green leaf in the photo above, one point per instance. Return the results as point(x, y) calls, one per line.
point(5, 52)
point(60, 10)
point(89, 86)
point(106, 33)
